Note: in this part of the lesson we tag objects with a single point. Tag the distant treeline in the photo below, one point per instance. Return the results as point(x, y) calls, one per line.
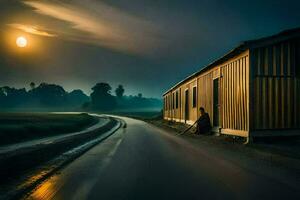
point(52, 97)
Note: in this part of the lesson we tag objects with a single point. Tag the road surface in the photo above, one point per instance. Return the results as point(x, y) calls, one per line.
point(52, 139)
point(145, 162)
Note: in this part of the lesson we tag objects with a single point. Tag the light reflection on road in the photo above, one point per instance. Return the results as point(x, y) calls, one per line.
point(54, 187)
point(45, 191)
point(144, 162)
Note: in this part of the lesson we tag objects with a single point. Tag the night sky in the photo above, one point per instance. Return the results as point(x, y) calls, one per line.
point(146, 45)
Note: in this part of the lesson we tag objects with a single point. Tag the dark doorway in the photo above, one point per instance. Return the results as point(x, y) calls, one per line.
point(216, 106)
point(186, 107)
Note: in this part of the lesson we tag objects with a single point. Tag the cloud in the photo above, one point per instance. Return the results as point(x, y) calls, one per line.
point(32, 30)
point(100, 24)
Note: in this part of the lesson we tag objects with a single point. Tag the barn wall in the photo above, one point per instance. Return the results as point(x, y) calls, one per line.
point(177, 113)
point(177, 104)
point(168, 111)
point(235, 95)
point(173, 105)
point(205, 93)
point(259, 91)
point(192, 110)
point(276, 86)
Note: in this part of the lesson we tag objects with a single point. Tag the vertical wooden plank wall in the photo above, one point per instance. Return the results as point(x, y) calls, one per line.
point(193, 110)
point(171, 112)
point(177, 113)
point(234, 91)
point(233, 95)
point(168, 106)
point(205, 93)
point(276, 86)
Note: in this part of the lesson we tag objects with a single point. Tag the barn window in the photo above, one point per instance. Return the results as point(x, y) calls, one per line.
point(177, 101)
point(194, 97)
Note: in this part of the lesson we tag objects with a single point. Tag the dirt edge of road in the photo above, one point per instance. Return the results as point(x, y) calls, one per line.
point(45, 161)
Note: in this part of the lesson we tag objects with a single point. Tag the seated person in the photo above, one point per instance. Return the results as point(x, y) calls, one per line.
point(203, 123)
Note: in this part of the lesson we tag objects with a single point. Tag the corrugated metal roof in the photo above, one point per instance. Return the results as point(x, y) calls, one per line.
point(250, 44)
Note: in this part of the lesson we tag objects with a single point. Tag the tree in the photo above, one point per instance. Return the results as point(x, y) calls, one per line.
point(120, 91)
point(50, 94)
point(32, 85)
point(140, 95)
point(101, 97)
point(76, 98)
point(12, 97)
point(102, 89)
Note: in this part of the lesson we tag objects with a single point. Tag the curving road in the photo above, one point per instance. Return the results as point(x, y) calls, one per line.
point(145, 162)
point(52, 139)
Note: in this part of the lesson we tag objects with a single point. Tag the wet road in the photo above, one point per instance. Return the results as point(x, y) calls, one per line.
point(145, 162)
point(52, 139)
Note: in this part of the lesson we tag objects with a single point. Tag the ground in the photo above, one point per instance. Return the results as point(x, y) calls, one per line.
point(147, 162)
point(288, 147)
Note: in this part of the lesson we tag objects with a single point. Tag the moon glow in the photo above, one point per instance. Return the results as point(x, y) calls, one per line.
point(21, 42)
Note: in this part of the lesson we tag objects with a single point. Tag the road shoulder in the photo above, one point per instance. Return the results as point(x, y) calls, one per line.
point(275, 154)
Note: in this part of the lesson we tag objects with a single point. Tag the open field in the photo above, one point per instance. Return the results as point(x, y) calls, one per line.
point(19, 127)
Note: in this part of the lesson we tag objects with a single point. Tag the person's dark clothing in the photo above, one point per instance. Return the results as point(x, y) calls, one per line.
point(203, 124)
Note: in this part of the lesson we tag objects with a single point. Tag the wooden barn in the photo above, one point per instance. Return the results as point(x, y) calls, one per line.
point(253, 90)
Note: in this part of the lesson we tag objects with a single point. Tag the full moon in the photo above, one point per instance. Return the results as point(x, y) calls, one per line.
point(21, 42)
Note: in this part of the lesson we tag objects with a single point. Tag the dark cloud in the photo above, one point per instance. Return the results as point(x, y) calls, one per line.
point(146, 45)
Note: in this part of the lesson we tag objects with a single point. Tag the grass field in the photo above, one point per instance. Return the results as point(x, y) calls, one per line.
point(19, 127)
